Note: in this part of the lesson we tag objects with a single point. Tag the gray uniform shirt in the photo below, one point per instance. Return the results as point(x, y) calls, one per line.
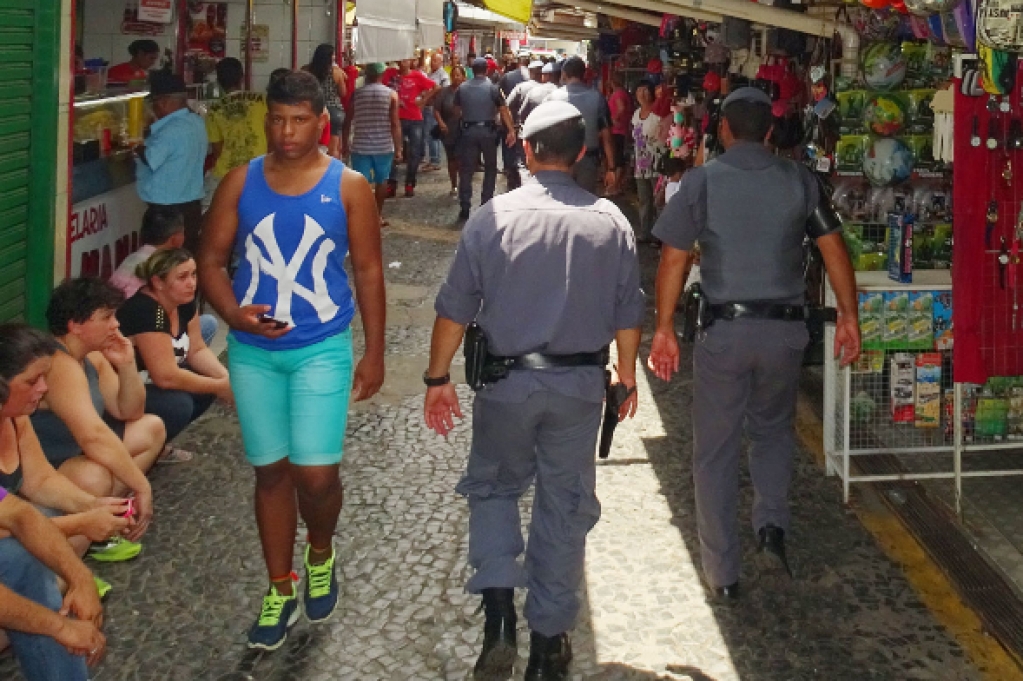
point(748, 210)
point(517, 98)
point(534, 98)
point(591, 105)
point(480, 99)
point(546, 268)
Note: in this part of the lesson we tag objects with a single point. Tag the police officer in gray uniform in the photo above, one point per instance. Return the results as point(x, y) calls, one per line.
point(517, 97)
point(540, 421)
point(598, 124)
point(535, 95)
point(480, 102)
point(750, 211)
point(511, 156)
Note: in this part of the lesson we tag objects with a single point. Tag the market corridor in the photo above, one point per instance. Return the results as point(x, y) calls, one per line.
point(180, 611)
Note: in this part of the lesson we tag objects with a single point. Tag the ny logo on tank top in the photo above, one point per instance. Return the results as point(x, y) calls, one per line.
point(286, 271)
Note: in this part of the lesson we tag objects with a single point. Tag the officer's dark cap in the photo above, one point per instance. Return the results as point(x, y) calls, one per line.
point(747, 94)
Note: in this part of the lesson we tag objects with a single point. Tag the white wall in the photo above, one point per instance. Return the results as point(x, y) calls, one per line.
point(102, 36)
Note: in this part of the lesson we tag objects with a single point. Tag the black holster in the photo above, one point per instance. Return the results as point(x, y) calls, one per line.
point(475, 348)
point(696, 314)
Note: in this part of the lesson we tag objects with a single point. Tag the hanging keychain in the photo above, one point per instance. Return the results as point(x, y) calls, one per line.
point(1014, 267)
point(1003, 262)
point(992, 220)
point(975, 135)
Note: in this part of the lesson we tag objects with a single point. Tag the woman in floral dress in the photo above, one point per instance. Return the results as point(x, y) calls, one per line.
point(649, 148)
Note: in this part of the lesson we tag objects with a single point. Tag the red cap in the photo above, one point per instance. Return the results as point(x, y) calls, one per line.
point(654, 66)
point(712, 82)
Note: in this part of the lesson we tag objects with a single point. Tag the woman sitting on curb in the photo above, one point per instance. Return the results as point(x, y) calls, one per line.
point(25, 356)
point(182, 375)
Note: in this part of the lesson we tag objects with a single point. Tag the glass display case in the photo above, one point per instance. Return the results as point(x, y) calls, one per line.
point(104, 131)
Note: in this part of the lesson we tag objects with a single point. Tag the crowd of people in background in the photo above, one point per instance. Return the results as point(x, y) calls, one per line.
point(89, 408)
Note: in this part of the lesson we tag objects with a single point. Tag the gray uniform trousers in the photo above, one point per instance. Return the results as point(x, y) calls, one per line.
point(744, 371)
point(477, 140)
point(552, 438)
point(585, 172)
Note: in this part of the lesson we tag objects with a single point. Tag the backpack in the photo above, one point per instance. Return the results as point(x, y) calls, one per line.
point(1000, 25)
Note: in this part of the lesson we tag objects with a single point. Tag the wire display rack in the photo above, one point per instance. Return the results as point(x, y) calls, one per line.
point(898, 398)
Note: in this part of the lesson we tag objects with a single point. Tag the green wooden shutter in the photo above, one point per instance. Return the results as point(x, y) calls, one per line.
point(29, 63)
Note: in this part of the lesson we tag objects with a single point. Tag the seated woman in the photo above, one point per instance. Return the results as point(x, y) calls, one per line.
point(25, 357)
point(92, 423)
point(182, 375)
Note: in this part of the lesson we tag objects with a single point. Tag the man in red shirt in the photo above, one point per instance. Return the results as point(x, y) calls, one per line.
point(352, 74)
point(144, 55)
point(415, 90)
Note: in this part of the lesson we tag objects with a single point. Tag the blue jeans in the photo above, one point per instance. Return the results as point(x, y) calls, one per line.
point(412, 132)
point(432, 145)
point(208, 326)
point(41, 657)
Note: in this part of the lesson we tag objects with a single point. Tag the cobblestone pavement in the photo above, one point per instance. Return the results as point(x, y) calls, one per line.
point(180, 611)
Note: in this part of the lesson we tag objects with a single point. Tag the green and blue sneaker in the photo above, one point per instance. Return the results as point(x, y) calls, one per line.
point(322, 590)
point(114, 550)
point(278, 614)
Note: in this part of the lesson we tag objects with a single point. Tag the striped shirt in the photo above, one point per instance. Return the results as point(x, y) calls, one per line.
point(371, 126)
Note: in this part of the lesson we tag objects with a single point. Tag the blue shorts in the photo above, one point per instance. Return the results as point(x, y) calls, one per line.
point(293, 404)
point(374, 167)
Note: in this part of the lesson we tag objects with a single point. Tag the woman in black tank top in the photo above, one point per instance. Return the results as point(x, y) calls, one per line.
point(25, 357)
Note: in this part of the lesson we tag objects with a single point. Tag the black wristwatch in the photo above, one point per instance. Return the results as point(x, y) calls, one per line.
point(436, 382)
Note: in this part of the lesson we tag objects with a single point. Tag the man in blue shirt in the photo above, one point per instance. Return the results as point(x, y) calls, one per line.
point(169, 167)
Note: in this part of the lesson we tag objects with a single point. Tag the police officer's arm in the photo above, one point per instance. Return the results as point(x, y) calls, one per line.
point(825, 226)
point(506, 118)
point(367, 266)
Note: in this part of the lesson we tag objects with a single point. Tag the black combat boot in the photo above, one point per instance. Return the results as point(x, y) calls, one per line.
point(499, 645)
point(771, 552)
point(549, 657)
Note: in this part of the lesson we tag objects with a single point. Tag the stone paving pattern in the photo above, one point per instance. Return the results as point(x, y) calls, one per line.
point(180, 611)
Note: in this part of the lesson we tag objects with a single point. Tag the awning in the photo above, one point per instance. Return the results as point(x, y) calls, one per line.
point(471, 15)
point(739, 9)
point(430, 23)
point(517, 10)
point(387, 31)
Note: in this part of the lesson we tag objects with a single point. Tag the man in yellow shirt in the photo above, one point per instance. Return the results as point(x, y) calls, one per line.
point(234, 124)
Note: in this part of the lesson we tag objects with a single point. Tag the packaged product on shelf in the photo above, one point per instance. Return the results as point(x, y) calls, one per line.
point(901, 384)
point(921, 117)
point(869, 362)
point(1014, 418)
point(942, 322)
point(991, 417)
point(871, 315)
point(900, 248)
point(949, 415)
point(850, 110)
point(941, 246)
point(922, 147)
point(920, 331)
point(928, 390)
point(849, 152)
point(895, 324)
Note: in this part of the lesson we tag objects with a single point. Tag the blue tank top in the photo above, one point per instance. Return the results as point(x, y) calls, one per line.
point(291, 252)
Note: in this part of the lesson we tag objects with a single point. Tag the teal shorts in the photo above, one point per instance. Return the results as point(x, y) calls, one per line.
point(293, 404)
point(374, 167)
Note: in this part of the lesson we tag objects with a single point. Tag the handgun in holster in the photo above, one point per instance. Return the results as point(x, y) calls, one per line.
point(696, 315)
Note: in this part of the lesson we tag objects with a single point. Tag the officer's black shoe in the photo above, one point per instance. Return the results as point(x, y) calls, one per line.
point(463, 214)
point(549, 657)
point(726, 594)
point(499, 643)
point(771, 552)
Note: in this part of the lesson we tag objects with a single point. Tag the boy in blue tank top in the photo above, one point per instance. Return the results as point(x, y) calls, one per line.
point(291, 217)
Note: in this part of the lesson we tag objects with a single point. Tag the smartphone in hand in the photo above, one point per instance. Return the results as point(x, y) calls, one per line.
point(267, 319)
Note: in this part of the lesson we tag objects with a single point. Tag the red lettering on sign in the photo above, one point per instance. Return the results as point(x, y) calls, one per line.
point(89, 221)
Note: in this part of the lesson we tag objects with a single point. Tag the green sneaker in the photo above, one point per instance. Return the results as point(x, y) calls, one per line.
point(115, 550)
point(102, 587)
point(322, 590)
point(277, 615)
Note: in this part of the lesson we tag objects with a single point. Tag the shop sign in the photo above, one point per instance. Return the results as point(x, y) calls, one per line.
point(132, 24)
point(521, 36)
point(103, 231)
point(207, 28)
point(260, 45)
point(156, 11)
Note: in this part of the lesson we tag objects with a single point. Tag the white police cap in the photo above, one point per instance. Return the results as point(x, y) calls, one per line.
point(536, 64)
point(547, 115)
point(548, 67)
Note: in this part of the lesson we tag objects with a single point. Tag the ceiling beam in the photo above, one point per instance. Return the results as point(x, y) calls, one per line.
point(657, 6)
point(613, 11)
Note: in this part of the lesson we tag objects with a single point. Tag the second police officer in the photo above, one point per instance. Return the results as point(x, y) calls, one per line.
point(559, 257)
point(595, 112)
point(480, 102)
point(750, 211)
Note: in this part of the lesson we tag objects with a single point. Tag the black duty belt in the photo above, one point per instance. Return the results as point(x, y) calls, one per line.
point(477, 124)
point(756, 310)
point(593, 152)
point(536, 361)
